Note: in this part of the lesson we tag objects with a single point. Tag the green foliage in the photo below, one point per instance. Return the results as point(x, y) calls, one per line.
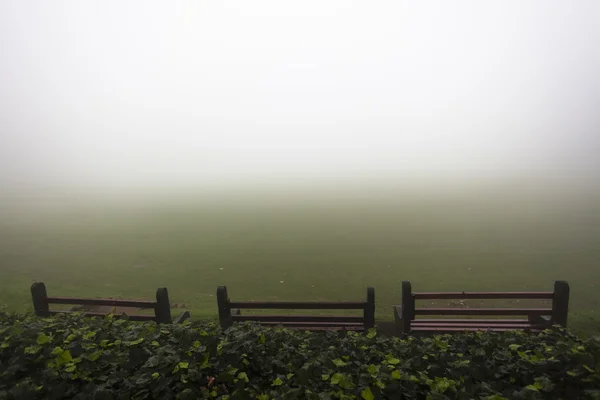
point(74, 357)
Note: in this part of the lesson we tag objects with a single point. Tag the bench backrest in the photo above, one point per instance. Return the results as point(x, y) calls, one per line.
point(161, 307)
point(558, 313)
point(226, 318)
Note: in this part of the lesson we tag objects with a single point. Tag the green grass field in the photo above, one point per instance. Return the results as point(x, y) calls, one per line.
point(311, 246)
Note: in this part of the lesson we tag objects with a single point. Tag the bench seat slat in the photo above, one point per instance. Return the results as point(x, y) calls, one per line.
point(467, 329)
point(481, 295)
point(102, 302)
point(327, 328)
point(471, 321)
point(299, 318)
point(483, 311)
point(444, 325)
point(301, 305)
point(312, 323)
point(132, 317)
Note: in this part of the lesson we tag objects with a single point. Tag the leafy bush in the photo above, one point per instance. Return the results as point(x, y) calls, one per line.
point(74, 357)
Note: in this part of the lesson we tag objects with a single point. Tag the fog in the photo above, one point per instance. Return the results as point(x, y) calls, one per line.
point(195, 95)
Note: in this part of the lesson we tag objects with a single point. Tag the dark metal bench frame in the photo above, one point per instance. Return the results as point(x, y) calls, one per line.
point(537, 318)
point(161, 307)
point(229, 312)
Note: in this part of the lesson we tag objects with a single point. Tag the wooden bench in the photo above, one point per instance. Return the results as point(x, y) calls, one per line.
point(305, 322)
point(530, 319)
point(161, 307)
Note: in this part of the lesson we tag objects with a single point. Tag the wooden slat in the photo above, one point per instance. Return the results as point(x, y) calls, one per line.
point(470, 321)
point(316, 325)
point(418, 329)
point(301, 305)
point(483, 311)
point(298, 318)
point(310, 323)
point(102, 302)
point(137, 317)
point(482, 295)
point(134, 317)
point(490, 326)
point(330, 328)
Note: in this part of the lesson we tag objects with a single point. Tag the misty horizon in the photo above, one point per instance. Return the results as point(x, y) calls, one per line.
point(214, 95)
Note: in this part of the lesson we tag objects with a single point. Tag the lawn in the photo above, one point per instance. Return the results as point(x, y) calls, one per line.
point(320, 245)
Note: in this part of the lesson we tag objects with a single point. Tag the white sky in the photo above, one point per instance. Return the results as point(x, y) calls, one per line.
point(125, 93)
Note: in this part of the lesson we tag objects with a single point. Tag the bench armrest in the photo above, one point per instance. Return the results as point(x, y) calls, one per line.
point(182, 317)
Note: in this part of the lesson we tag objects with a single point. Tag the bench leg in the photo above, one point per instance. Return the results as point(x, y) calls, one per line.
point(224, 308)
point(163, 307)
point(40, 299)
point(408, 306)
point(560, 303)
point(369, 312)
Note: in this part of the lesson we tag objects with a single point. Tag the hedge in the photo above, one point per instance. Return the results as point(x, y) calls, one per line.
point(70, 356)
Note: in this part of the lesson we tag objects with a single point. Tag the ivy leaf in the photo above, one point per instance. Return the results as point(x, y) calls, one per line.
point(32, 349)
point(204, 363)
point(373, 370)
point(70, 338)
point(366, 394)
point(94, 356)
point(232, 370)
point(346, 382)
point(89, 336)
point(63, 358)
point(243, 376)
point(151, 362)
point(389, 359)
point(342, 380)
point(396, 374)
point(441, 384)
point(43, 339)
point(277, 382)
point(336, 378)
point(136, 342)
point(183, 365)
point(339, 363)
